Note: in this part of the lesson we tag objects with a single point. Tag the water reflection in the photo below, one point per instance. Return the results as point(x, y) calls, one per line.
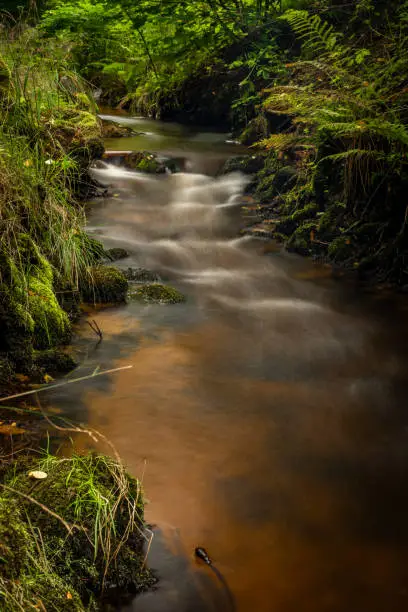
point(269, 409)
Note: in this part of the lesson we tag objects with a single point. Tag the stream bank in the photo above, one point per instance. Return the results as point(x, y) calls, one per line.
point(71, 529)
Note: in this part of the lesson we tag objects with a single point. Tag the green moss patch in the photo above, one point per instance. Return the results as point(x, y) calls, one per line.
point(144, 162)
point(117, 253)
point(141, 275)
point(112, 129)
point(69, 538)
point(157, 294)
point(106, 285)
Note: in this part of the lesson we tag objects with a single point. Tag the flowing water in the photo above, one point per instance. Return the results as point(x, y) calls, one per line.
point(267, 414)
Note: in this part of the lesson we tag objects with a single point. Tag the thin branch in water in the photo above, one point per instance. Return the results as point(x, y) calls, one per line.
point(62, 384)
point(148, 547)
point(95, 328)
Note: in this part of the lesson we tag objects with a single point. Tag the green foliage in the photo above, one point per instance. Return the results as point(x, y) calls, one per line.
point(317, 36)
point(46, 118)
point(347, 106)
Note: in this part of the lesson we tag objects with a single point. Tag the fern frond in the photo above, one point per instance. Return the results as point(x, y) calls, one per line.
point(318, 37)
point(280, 142)
point(353, 154)
point(395, 133)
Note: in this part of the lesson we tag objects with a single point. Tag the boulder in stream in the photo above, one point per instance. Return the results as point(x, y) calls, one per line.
point(112, 129)
point(144, 162)
point(247, 164)
point(106, 285)
point(155, 293)
point(117, 253)
point(141, 275)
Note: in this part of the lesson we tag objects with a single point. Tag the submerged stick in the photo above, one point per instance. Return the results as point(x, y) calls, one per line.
point(62, 384)
point(96, 329)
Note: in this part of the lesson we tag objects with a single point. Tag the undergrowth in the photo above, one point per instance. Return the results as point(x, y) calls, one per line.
point(48, 133)
point(346, 103)
point(69, 538)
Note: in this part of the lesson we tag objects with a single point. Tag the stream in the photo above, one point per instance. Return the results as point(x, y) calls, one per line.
point(267, 414)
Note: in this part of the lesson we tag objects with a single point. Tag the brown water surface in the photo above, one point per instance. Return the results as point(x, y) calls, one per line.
point(267, 413)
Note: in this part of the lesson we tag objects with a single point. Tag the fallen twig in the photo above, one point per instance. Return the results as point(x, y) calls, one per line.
point(95, 328)
point(67, 526)
point(148, 546)
point(62, 384)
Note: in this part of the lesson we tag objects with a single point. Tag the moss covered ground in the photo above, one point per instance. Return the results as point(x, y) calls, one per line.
point(67, 539)
point(49, 133)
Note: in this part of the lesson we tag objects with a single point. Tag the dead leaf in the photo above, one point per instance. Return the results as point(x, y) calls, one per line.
point(9, 430)
point(69, 596)
point(21, 377)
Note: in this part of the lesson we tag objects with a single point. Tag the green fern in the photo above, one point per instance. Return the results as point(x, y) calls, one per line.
point(318, 37)
point(280, 142)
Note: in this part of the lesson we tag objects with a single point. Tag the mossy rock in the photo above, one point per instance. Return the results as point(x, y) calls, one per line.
point(247, 164)
point(144, 162)
point(106, 285)
point(157, 294)
point(341, 248)
point(301, 239)
point(174, 164)
point(86, 152)
point(284, 179)
point(117, 253)
point(275, 183)
point(112, 129)
point(75, 128)
point(141, 275)
point(257, 129)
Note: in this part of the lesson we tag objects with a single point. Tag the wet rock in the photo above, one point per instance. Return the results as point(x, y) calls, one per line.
point(141, 275)
point(284, 179)
point(175, 164)
point(144, 162)
point(106, 285)
point(257, 129)
point(272, 185)
point(247, 164)
point(156, 294)
point(117, 253)
point(111, 129)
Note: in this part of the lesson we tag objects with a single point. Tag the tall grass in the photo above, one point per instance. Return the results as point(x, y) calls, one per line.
point(45, 114)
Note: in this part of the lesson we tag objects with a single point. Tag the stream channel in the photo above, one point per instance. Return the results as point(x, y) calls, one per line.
point(267, 413)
